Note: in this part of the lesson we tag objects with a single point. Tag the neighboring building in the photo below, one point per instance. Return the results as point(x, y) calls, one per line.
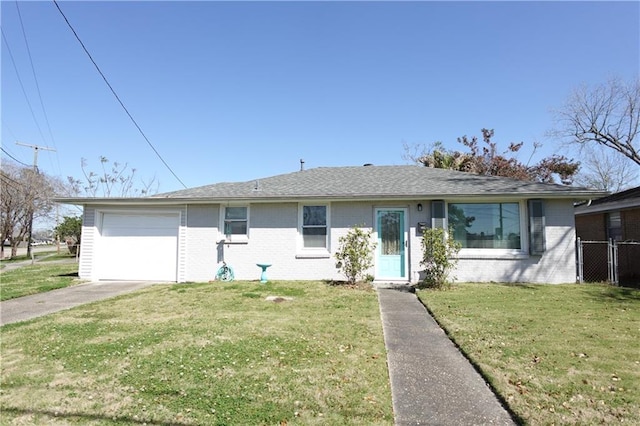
point(510, 230)
point(617, 218)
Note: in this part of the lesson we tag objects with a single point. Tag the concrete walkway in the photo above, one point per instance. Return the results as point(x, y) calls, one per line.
point(37, 305)
point(432, 383)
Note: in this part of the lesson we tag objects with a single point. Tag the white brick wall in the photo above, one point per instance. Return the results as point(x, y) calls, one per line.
point(273, 238)
point(200, 248)
point(556, 265)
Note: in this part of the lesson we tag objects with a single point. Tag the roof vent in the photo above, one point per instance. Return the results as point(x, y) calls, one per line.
point(301, 165)
point(367, 164)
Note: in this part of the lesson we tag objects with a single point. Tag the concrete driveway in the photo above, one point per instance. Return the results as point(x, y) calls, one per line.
point(37, 305)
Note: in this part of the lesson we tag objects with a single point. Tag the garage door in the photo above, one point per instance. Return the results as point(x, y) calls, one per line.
point(138, 247)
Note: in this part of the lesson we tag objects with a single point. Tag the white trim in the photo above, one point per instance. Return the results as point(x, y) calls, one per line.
point(233, 239)
point(492, 253)
point(303, 252)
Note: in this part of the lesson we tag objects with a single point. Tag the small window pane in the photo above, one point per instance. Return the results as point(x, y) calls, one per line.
point(236, 213)
point(235, 228)
point(614, 226)
point(314, 237)
point(390, 233)
point(314, 215)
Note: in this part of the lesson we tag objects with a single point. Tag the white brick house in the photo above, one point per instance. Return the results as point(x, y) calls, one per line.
point(511, 231)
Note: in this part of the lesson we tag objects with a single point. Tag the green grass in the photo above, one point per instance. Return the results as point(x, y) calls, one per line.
point(556, 354)
point(215, 354)
point(36, 278)
point(40, 256)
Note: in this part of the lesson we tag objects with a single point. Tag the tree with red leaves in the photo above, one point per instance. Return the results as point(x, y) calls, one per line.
point(489, 161)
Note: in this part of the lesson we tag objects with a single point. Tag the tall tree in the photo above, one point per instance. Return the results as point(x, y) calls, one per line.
point(26, 195)
point(607, 115)
point(489, 160)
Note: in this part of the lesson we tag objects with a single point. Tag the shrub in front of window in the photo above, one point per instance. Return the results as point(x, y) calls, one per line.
point(355, 253)
point(439, 257)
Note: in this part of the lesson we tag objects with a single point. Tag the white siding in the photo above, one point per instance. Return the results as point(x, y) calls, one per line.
point(87, 245)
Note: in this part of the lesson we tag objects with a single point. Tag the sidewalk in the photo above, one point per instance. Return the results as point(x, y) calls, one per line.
point(37, 305)
point(432, 383)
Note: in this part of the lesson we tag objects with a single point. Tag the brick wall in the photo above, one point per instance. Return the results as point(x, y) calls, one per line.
point(591, 227)
point(631, 224)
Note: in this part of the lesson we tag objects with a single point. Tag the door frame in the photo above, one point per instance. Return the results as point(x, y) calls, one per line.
point(405, 236)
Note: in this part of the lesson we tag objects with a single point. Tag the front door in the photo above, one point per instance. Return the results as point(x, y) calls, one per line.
point(392, 244)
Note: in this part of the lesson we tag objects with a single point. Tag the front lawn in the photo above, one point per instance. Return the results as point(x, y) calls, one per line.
point(37, 278)
point(557, 354)
point(214, 353)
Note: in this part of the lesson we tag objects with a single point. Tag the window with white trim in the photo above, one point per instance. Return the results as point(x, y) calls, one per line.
point(236, 223)
point(486, 225)
point(314, 227)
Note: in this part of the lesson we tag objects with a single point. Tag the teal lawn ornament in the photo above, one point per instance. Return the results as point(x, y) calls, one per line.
point(263, 276)
point(225, 273)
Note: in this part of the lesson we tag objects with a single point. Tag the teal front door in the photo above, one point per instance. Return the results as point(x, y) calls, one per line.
point(392, 244)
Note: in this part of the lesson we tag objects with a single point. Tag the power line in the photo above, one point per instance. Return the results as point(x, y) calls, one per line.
point(24, 92)
point(117, 97)
point(14, 158)
point(33, 70)
point(13, 181)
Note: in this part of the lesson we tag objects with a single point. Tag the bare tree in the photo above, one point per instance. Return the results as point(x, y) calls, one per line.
point(607, 115)
point(113, 180)
point(606, 170)
point(26, 195)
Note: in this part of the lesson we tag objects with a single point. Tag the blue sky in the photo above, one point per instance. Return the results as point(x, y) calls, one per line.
point(233, 91)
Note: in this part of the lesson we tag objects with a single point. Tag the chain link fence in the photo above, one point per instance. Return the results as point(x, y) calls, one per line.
point(615, 262)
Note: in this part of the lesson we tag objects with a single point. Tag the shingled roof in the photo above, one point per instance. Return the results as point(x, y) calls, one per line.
point(376, 182)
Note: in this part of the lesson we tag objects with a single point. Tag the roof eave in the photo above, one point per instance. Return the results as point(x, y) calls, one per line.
point(130, 201)
point(605, 207)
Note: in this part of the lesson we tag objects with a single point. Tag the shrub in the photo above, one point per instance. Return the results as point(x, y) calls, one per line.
point(355, 254)
point(70, 231)
point(439, 257)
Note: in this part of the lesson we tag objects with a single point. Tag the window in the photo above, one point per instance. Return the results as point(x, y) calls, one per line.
point(486, 225)
point(235, 222)
point(314, 226)
point(614, 226)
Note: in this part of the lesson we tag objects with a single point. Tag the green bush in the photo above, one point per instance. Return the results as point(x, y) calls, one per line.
point(439, 257)
point(355, 254)
point(70, 231)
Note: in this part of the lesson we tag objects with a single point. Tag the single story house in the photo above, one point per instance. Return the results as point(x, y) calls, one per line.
point(510, 230)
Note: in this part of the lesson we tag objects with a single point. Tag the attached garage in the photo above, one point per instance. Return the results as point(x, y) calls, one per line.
point(137, 246)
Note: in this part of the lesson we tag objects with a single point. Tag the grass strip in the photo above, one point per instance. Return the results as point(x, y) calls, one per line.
point(37, 278)
point(557, 354)
point(215, 353)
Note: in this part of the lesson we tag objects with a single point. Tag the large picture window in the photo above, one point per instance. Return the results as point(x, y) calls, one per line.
point(314, 226)
point(486, 225)
point(235, 221)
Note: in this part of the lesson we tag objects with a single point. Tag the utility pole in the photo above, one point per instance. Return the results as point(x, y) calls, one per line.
point(35, 148)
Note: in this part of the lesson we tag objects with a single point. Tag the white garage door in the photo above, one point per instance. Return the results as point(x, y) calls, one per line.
point(138, 247)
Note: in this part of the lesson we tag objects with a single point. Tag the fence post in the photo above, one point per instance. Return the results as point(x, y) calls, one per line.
point(615, 262)
point(579, 261)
